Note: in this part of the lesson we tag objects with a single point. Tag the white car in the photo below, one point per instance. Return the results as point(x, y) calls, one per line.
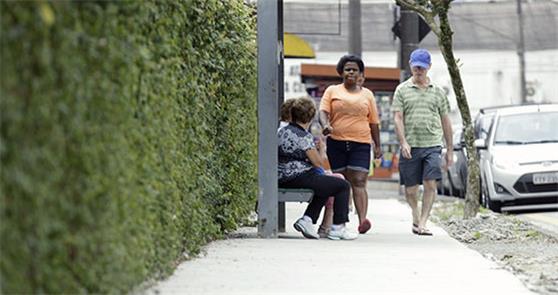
point(519, 159)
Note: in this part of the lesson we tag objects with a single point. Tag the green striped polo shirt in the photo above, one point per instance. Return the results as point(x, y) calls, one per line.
point(422, 112)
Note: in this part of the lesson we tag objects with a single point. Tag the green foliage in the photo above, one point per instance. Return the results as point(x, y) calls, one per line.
point(477, 235)
point(533, 234)
point(448, 210)
point(128, 135)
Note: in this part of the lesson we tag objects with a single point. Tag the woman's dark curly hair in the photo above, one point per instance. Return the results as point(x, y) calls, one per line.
point(349, 58)
point(285, 112)
point(303, 110)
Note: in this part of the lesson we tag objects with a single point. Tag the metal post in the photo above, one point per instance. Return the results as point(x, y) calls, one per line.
point(409, 40)
point(281, 69)
point(521, 55)
point(269, 59)
point(355, 28)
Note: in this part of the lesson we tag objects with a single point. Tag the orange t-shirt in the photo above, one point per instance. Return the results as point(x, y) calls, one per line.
point(350, 113)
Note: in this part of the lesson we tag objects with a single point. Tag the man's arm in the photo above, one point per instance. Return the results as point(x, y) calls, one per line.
point(448, 136)
point(400, 132)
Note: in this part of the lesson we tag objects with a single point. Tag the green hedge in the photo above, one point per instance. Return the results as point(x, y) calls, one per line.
point(128, 136)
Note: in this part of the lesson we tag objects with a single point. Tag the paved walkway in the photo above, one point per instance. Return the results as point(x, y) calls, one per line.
point(387, 260)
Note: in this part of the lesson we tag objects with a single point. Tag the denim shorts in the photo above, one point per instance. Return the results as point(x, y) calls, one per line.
point(423, 165)
point(344, 155)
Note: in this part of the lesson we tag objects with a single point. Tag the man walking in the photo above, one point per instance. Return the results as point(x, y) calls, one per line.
point(421, 117)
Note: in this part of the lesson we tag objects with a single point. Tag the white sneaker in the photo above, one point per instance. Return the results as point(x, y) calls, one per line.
point(341, 234)
point(306, 228)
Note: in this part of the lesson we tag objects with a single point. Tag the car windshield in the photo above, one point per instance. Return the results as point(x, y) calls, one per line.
point(527, 128)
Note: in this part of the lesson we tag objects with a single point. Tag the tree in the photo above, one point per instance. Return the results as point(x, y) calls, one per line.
point(435, 13)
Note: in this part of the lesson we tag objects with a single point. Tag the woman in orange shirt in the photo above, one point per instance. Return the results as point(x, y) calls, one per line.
point(349, 117)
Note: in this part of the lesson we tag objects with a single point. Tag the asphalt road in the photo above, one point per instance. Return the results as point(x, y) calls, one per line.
point(547, 221)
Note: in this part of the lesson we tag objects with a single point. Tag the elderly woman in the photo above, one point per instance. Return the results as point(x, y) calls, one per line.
point(298, 157)
point(350, 119)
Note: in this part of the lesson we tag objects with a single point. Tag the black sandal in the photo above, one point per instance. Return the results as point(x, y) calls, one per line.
point(424, 232)
point(415, 229)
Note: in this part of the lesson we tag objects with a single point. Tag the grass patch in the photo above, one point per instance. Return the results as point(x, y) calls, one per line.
point(447, 210)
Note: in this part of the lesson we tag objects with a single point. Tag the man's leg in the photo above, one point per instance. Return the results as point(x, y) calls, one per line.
point(410, 172)
point(427, 201)
point(411, 193)
point(431, 172)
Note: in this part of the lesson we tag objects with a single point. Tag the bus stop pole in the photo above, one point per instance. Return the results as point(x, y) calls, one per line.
point(269, 61)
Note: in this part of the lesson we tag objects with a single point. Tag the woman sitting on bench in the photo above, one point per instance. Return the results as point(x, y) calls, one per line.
point(297, 158)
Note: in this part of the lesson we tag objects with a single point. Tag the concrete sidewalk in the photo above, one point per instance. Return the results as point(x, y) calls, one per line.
point(387, 260)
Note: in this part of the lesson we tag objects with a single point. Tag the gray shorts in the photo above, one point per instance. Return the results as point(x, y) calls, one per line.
point(424, 165)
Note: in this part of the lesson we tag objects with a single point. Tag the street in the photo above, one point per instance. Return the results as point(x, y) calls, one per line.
point(548, 221)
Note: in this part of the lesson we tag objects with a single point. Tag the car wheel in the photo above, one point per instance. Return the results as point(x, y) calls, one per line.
point(441, 188)
point(446, 184)
point(483, 197)
point(447, 191)
point(455, 191)
point(463, 189)
point(495, 206)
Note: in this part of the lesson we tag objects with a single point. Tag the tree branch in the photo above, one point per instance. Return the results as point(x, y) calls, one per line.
point(426, 14)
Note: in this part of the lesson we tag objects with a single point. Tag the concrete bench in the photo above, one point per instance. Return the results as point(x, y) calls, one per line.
point(290, 195)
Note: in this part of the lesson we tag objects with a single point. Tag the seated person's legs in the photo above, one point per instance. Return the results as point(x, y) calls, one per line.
point(327, 220)
point(323, 186)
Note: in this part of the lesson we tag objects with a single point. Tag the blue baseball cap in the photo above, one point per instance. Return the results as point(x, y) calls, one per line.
point(420, 58)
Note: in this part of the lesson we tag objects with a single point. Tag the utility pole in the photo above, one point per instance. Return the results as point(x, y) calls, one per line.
point(521, 55)
point(281, 46)
point(269, 62)
point(409, 40)
point(355, 31)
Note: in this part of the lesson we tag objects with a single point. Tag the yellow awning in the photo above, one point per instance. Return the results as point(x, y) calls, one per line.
point(296, 47)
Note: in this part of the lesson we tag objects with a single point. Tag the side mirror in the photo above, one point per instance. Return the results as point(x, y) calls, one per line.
point(480, 143)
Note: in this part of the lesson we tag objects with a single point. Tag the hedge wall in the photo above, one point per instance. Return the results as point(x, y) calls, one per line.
point(128, 136)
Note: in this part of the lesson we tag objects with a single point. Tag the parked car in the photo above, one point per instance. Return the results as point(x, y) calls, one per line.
point(457, 173)
point(482, 125)
point(455, 183)
point(483, 122)
point(519, 159)
point(454, 178)
point(443, 185)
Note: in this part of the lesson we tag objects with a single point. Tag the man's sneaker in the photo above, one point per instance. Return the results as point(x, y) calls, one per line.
point(306, 228)
point(322, 232)
point(341, 234)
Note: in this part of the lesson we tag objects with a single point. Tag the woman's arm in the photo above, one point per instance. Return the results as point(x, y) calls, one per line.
point(324, 120)
point(315, 157)
point(375, 133)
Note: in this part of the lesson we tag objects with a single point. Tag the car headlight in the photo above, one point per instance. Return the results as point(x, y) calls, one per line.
point(502, 163)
